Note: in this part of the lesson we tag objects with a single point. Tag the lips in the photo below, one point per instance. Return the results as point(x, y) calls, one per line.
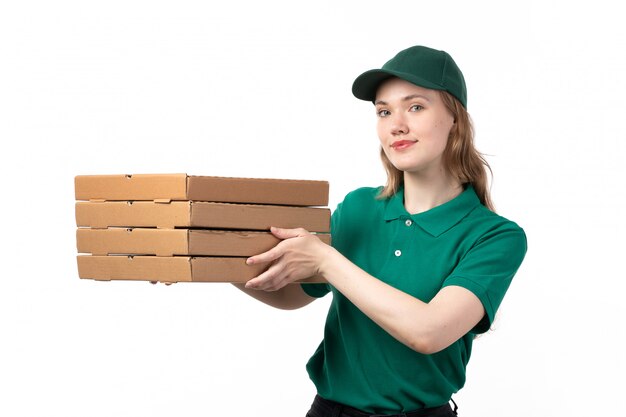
point(403, 144)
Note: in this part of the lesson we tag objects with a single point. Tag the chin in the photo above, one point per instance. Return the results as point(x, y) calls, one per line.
point(415, 164)
point(405, 166)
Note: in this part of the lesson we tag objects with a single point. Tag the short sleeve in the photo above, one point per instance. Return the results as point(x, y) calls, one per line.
point(488, 269)
point(316, 290)
point(320, 290)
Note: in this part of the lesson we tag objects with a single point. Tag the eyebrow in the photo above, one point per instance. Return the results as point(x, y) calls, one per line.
point(407, 98)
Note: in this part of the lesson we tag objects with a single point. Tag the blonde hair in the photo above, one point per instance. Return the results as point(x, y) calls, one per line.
point(460, 158)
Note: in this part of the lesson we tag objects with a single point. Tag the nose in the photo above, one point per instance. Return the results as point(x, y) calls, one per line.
point(399, 125)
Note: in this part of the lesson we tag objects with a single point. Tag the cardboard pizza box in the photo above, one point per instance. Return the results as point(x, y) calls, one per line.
point(170, 187)
point(187, 214)
point(171, 269)
point(169, 242)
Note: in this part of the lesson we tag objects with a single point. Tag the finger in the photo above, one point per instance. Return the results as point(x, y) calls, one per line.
point(288, 233)
point(272, 285)
point(265, 257)
point(267, 279)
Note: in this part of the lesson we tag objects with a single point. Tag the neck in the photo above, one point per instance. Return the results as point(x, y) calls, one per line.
point(424, 193)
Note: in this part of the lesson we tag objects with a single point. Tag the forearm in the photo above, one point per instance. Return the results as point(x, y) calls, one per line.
point(424, 327)
point(289, 297)
point(388, 307)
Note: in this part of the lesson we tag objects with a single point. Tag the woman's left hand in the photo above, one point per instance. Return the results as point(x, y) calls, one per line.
point(298, 256)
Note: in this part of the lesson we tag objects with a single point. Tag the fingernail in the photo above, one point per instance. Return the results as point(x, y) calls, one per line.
point(249, 261)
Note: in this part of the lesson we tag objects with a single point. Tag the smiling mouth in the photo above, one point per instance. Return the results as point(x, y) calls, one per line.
point(403, 144)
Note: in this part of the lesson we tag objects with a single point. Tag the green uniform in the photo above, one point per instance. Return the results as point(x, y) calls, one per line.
point(457, 243)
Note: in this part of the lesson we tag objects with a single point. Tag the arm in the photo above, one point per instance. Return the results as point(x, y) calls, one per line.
point(289, 297)
point(424, 327)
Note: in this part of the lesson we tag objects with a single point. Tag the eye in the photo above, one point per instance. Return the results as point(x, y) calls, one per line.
point(382, 113)
point(416, 107)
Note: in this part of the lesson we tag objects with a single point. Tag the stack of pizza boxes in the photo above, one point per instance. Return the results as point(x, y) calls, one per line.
point(176, 228)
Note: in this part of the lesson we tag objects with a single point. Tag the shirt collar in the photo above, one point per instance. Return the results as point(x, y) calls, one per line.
point(438, 219)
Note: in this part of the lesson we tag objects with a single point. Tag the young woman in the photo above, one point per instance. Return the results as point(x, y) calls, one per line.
point(416, 268)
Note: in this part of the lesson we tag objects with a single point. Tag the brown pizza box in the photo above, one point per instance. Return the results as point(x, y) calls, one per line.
point(170, 269)
point(169, 242)
point(169, 187)
point(186, 214)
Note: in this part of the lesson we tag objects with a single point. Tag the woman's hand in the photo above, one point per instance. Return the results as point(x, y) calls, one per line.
point(300, 255)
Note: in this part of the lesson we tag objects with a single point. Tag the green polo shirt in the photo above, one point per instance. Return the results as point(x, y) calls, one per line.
point(457, 243)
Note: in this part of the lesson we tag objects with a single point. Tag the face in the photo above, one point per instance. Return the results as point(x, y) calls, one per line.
point(413, 126)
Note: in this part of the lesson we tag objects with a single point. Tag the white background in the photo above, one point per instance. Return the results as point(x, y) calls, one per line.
point(262, 89)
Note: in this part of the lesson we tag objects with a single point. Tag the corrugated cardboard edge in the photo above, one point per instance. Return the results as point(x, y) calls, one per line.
point(135, 268)
point(104, 214)
point(259, 217)
point(258, 190)
point(164, 187)
point(223, 269)
point(133, 241)
point(234, 243)
point(207, 242)
point(234, 270)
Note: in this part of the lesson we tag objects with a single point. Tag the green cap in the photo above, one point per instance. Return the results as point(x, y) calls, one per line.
point(422, 66)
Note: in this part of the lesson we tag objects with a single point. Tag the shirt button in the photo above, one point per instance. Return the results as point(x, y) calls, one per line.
point(408, 222)
point(398, 252)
